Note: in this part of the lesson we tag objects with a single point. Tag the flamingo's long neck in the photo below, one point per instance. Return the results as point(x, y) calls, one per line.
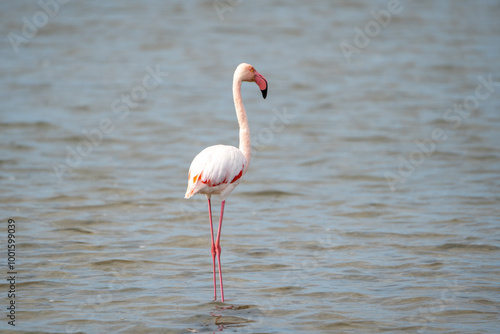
point(245, 144)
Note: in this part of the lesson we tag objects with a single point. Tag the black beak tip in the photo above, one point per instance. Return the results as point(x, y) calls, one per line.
point(264, 93)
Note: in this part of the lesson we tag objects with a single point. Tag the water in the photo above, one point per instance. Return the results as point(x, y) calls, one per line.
point(371, 202)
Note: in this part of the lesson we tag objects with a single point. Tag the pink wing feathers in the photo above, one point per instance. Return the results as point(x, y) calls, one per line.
point(216, 170)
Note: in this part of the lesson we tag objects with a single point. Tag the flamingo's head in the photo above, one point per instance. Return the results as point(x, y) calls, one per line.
point(246, 72)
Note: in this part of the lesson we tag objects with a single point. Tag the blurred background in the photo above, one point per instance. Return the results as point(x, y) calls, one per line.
point(372, 199)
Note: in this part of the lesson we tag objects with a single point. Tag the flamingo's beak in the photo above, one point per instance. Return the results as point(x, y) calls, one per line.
point(262, 83)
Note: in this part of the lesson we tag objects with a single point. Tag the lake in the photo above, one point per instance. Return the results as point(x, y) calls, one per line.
point(372, 200)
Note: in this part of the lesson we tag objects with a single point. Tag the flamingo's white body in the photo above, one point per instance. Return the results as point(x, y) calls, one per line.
point(218, 169)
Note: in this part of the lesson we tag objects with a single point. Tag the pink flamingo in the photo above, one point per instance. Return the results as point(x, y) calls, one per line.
point(218, 169)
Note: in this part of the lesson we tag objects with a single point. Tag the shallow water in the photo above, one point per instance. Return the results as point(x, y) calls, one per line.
point(371, 203)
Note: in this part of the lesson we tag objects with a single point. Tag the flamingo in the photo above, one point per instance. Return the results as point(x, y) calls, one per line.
point(218, 169)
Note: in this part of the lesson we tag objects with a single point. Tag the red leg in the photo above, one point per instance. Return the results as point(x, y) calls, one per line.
point(218, 249)
point(213, 246)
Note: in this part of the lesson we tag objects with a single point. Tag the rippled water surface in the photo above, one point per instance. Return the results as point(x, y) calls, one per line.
point(372, 199)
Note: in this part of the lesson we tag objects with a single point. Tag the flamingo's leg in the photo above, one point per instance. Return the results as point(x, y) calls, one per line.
point(213, 246)
point(218, 249)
